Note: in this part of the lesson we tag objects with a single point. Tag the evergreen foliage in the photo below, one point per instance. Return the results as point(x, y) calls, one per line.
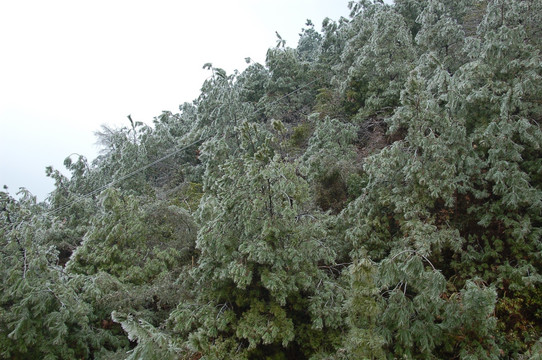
point(373, 193)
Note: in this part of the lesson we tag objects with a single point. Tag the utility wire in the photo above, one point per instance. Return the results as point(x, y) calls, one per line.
point(173, 152)
point(122, 178)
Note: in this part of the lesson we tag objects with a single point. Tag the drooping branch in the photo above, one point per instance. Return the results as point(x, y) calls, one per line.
point(21, 247)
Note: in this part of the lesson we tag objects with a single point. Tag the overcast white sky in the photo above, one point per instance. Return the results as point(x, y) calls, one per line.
point(68, 66)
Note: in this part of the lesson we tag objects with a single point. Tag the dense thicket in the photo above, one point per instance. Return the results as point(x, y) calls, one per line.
point(373, 193)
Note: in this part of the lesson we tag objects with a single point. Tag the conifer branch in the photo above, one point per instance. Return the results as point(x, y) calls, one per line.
point(414, 252)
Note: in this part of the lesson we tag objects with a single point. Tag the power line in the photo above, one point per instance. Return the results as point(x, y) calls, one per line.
point(173, 152)
point(122, 178)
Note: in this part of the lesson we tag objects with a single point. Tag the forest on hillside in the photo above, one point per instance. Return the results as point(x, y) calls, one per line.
point(373, 193)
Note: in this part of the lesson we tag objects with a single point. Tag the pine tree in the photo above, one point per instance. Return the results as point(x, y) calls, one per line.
point(455, 192)
point(377, 58)
point(330, 158)
point(41, 313)
point(261, 246)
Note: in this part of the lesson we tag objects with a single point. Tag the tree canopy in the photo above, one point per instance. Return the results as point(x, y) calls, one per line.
point(373, 193)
